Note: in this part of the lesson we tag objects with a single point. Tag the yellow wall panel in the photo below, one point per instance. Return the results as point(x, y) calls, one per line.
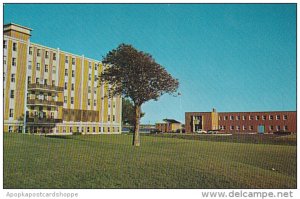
point(85, 85)
point(69, 81)
point(8, 76)
point(78, 83)
point(42, 65)
point(20, 80)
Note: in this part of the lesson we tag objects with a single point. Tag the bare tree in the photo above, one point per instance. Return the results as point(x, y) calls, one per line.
point(135, 74)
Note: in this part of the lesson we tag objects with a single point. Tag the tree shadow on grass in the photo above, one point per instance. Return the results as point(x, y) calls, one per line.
point(59, 136)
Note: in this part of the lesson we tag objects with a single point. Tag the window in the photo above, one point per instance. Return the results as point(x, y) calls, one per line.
point(284, 117)
point(5, 44)
point(45, 81)
point(10, 129)
point(72, 100)
point(96, 77)
point(244, 117)
point(95, 103)
point(73, 61)
point(89, 89)
point(108, 129)
point(73, 73)
point(264, 117)
point(88, 129)
point(100, 129)
point(66, 72)
point(38, 53)
point(278, 128)
point(250, 128)
point(94, 129)
point(65, 99)
point(11, 112)
point(270, 117)
point(13, 77)
point(66, 59)
point(270, 127)
point(53, 69)
point(285, 128)
point(66, 85)
point(114, 118)
point(244, 128)
point(53, 82)
point(108, 104)
point(231, 117)
point(225, 117)
point(38, 66)
point(46, 68)
point(72, 87)
point(14, 46)
point(90, 76)
point(114, 105)
point(257, 117)
point(231, 127)
point(95, 90)
point(238, 128)
point(238, 117)
point(30, 50)
point(46, 54)
point(250, 117)
point(90, 65)
point(54, 56)
point(108, 118)
point(14, 62)
point(78, 129)
point(29, 65)
point(96, 66)
point(89, 102)
point(12, 94)
point(4, 60)
point(277, 117)
point(37, 80)
point(29, 80)
point(71, 129)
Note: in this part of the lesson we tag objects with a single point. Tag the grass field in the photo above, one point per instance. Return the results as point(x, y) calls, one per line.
point(109, 161)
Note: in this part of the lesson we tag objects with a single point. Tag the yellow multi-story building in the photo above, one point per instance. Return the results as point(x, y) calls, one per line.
point(47, 90)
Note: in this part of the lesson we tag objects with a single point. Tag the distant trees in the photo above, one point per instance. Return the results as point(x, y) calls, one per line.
point(135, 74)
point(128, 112)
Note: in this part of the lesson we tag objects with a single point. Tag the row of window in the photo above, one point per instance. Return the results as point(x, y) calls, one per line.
point(251, 117)
point(72, 101)
point(114, 129)
point(11, 114)
point(38, 53)
point(251, 128)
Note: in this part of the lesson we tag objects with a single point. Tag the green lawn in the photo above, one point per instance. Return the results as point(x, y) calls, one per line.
point(109, 161)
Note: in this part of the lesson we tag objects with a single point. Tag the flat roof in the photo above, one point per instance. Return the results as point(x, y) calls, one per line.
point(14, 24)
point(244, 112)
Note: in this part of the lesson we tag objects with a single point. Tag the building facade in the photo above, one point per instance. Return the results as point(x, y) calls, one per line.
point(48, 90)
point(168, 126)
point(241, 122)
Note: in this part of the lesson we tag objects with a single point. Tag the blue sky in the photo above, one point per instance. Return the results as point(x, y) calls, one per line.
point(233, 57)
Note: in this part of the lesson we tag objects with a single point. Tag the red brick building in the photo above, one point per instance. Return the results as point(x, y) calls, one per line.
point(242, 122)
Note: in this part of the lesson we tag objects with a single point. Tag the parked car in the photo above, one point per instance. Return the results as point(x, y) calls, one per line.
point(212, 131)
point(282, 132)
point(201, 131)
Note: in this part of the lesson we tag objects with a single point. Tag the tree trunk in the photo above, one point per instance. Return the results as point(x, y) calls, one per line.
point(136, 134)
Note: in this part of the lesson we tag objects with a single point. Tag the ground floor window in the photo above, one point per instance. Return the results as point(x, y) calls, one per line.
point(10, 129)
